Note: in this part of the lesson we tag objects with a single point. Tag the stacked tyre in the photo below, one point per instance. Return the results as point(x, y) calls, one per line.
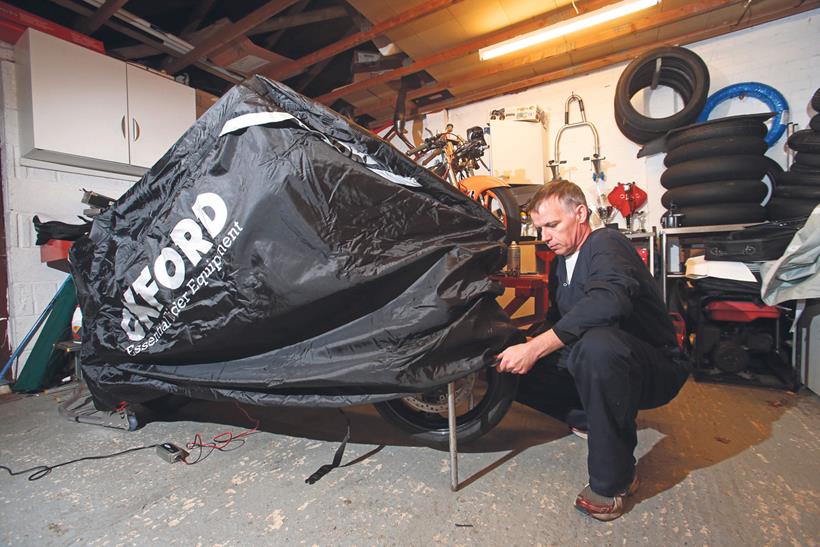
point(715, 172)
point(798, 190)
point(674, 67)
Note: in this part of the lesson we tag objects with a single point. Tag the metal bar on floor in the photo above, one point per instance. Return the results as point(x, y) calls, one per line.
point(451, 419)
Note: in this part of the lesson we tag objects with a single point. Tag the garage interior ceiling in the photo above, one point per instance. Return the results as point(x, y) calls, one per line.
point(361, 56)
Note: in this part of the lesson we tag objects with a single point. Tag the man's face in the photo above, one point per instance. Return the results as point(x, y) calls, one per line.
point(562, 229)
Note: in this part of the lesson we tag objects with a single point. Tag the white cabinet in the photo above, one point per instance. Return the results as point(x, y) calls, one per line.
point(80, 108)
point(159, 111)
point(71, 100)
point(518, 151)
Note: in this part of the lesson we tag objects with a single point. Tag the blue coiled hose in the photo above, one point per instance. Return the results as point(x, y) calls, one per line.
point(767, 94)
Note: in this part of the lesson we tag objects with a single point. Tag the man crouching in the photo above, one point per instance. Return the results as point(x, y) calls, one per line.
point(612, 334)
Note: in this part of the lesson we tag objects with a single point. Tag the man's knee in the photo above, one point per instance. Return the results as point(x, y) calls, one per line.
point(597, 353)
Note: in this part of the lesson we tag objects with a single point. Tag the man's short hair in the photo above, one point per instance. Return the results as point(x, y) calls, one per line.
point(568, 194)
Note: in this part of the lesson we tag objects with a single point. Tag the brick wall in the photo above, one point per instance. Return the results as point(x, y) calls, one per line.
point(29, 191)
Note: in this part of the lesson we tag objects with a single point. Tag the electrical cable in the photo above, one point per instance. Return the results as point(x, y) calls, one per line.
point(221, 441)
point(41, 471)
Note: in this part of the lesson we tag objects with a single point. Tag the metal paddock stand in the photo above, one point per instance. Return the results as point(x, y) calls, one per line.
point(595, 158)
point(451, 419)
point(80, 408)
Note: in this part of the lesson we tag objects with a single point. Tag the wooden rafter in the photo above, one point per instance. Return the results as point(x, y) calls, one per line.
point(256, 17)
point(190, 32)
point(100, 16)
point(306, 18)
point(299, 65)
point(274, 37)
point(476, 95)
point(605, 35)
point(142, 37)
point(203, 7)
point(241, 54)
point(310, 74)
point(466, 48)
point(194, 37)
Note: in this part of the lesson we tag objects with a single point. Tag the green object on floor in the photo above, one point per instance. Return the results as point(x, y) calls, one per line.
point(44, 361)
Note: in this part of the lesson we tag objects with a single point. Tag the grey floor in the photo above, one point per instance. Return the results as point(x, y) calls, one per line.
point(721, 465)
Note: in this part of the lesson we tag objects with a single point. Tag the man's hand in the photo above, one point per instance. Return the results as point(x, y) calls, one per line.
point(520, 358)
point(517, 359)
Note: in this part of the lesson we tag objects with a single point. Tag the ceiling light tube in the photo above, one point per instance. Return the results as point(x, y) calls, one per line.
point(557, 30)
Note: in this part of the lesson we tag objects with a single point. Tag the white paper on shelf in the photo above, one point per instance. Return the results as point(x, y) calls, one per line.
point(698, 266)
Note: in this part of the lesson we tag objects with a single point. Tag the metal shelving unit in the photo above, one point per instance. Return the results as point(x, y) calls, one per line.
point(665, 234)
point(650, 239)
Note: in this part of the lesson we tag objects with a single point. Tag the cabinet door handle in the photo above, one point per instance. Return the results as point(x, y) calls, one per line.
point(122, 126)
point(136, 129)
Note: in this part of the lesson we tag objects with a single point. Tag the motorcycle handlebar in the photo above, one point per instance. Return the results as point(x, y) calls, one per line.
point(418, 149)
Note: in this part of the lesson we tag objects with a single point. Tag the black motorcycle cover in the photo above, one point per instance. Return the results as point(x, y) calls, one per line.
point(280, 255)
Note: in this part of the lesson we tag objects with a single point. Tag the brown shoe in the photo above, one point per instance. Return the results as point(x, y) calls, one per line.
point(603, 507)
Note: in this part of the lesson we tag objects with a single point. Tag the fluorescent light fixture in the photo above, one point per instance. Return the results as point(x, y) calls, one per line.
point(557, 30)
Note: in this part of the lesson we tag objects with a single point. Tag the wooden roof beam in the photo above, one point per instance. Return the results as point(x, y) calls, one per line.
point(299, 65)
point(99, 17)
point(310, 74)
point(161, 47)
point(471, 46)
point(618, 57)
point(305, 18)
point(203, 7)
point(239, 28)
point(271, 40)
point(690, 9)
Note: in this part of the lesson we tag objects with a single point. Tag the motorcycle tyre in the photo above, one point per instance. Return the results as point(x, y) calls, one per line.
point(510, 209)
point(433, 430)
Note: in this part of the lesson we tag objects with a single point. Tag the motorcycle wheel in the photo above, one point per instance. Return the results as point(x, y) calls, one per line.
point(482, 399)
point(502, 204)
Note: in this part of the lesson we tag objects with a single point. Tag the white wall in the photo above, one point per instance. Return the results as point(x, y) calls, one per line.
point(27, 191)
point(784, 54)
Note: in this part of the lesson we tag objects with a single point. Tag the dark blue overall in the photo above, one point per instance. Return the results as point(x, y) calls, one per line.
point(620, 350)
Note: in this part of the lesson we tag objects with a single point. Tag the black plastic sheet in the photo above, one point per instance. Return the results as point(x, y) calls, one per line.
point(286, 258)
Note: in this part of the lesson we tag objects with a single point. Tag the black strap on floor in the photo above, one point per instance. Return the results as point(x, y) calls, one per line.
point(337, 458)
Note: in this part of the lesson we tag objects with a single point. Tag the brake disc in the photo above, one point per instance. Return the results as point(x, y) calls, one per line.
point(435, 401)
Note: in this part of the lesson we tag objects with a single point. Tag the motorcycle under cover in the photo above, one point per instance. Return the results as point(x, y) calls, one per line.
point(280, 255)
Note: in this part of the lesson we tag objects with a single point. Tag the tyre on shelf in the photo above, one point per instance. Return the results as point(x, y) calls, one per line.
point(808, 193)
point(794, 178)
point(805, 170)
point(736, 126)
point(722, 213)
point(708, 148)
point(723, 191)
point(715, 168)
point(772, 98)
point(805, 140)
point(784, 208)
point(678, 68)
point(807, 159)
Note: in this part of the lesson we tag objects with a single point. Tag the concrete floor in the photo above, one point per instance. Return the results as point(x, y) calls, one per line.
point(720, 465)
